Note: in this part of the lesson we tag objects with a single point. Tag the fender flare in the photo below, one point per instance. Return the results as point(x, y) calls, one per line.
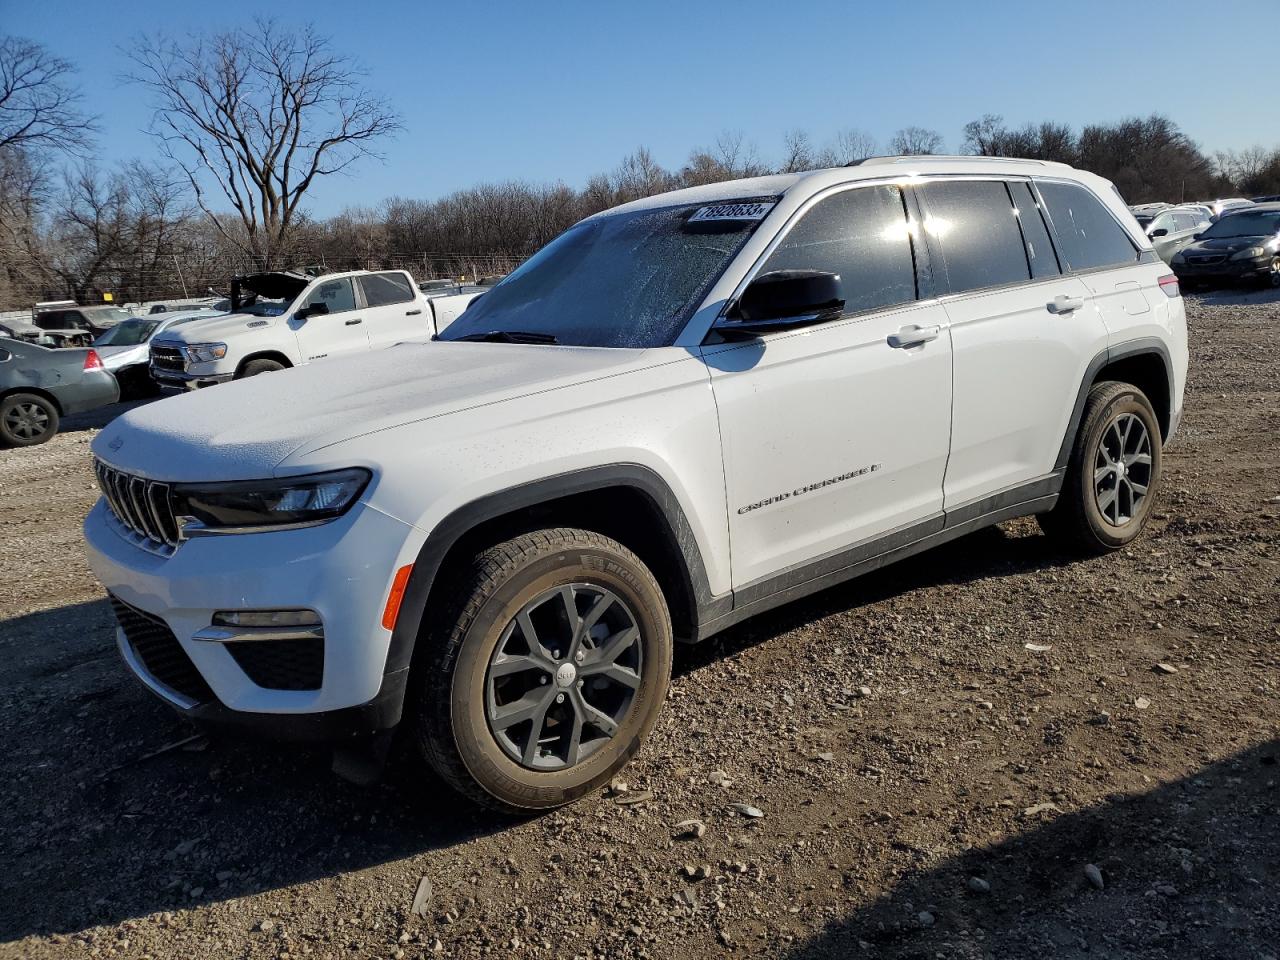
point(1131, 348)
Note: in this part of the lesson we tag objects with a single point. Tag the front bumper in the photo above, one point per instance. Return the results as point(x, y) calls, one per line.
point(342, 570)
point(186, 380)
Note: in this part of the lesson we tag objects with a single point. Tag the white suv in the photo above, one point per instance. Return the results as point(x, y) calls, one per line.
point(680, 413)
point(286, 319)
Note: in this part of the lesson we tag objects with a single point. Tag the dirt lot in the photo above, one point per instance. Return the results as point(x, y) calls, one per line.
point(931, 786)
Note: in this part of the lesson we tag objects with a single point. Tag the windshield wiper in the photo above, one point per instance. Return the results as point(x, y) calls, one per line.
point(509, 336)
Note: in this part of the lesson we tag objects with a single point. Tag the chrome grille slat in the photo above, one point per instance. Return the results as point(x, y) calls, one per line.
point(141, 507)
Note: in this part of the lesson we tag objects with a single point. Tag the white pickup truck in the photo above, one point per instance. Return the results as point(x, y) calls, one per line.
point(287, 319)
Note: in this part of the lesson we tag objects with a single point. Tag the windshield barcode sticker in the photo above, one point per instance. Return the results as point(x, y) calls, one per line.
point(752, 210)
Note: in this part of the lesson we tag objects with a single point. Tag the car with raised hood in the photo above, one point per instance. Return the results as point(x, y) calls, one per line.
point(680, 413)
point(40, 385)
point(125, 349)
point(1241, 247)
point(284, 319)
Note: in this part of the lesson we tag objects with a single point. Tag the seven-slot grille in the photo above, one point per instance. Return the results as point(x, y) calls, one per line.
point(142, 507)
point(167, 358)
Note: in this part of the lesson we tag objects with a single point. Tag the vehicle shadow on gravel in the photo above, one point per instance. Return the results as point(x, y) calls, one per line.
point(110, 809)
point(99, 418)
point(1189, 869)
point(991, 552)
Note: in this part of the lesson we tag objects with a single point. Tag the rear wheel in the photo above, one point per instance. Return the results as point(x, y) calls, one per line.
point(27, 419)
point(1113, 474)
point(546, 671)
point(255, 367)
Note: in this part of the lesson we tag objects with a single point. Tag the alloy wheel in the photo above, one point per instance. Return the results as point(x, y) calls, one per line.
point(1122, 469)
point(26, 421)
point(563, 676)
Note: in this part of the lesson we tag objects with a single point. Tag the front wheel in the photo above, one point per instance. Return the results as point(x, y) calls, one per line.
point(27, 419)
point(545, 670)
point(255, 367)
point(1113, 474)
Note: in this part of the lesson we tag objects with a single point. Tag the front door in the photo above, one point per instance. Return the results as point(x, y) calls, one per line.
point(338, 331)
point(836, 433)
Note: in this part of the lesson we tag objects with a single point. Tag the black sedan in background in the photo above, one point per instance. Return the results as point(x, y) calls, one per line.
point(39, 386)
point(1242, 247)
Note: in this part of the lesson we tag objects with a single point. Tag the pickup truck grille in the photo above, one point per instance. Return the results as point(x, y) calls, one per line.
point(141, 506)
point(167, 358)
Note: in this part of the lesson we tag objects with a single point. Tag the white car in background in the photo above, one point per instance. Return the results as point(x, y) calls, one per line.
point(125, 349)
point(286, 319)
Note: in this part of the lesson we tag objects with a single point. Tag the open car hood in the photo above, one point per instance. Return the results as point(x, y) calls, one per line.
point(274, 285)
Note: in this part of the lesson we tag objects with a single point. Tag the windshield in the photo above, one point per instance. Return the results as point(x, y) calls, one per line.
point(1244, 225)
point(620, 280)
point(129, 333)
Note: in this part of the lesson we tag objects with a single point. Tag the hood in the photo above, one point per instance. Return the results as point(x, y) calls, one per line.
point(276, 285)
point(115, 357)
point(243, 430)
point(217, 327)
point(1228, 244)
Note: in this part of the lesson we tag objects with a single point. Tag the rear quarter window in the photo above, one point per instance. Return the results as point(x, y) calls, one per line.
point(1089, 237)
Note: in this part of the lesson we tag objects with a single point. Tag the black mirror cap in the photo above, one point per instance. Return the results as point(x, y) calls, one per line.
point(1162, 232)
point(780, 294)
point(314, 310)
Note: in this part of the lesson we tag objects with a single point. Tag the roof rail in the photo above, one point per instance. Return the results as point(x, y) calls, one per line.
point(930, 157)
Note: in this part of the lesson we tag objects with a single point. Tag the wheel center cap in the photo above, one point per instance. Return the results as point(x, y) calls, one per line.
point(1120, 469)
point(566, 674)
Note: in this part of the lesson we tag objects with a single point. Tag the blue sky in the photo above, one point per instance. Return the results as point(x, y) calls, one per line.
point(557, 91)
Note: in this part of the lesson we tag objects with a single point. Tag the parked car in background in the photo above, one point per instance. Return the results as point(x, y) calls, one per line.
point(40, 385)
point(1273, 198)
point(1172, 229)
point(679, 414)
point(1144, 212)
point(1222, 207)
point(287, 319)
point(76, 326)
point(125, 349)
point(1241, 247)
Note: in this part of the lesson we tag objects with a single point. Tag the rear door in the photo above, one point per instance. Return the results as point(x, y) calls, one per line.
point(394, 308)
point(1021, 335)
point(339, 331)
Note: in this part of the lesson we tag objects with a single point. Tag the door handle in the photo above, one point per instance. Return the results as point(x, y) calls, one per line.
point(352, 323)
point(913, 336)
point(1064, 304)
point(412, 313)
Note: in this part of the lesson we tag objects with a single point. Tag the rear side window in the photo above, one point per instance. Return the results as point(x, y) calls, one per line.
point(381, 289)
point(975, 225)
point(1088, 235)
point(1035, 235)
point(862, 235)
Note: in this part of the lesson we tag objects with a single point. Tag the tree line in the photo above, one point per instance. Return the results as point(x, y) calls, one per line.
point(248, 121)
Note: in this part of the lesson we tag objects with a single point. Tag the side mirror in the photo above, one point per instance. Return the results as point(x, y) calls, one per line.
point(782, 299)
point(1162, 232)
point(319, 309)
point(1196, 236)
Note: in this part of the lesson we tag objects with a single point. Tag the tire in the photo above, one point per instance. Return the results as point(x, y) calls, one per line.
point(27, 419)
point(1086, 518)
point(255, 367)
point(1271, 279)
point(463, 709)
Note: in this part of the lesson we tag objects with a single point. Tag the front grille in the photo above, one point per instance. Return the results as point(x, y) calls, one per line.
point(281, 664)
point(159, 652)
point(1205, 260)
point(141, 506)
point(167, 358)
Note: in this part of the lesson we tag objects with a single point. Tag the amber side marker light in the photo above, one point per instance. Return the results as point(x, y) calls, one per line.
point(396, 597)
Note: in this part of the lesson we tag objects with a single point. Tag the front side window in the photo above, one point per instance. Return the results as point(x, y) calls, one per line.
point(335, 294)
point(628, 279)
point(975, 225)
point(383, 289)
point(861, 235)
point(1088, 235)
point(1163, 222)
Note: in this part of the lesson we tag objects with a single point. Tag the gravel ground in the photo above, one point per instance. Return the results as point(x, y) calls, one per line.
point(931, 786)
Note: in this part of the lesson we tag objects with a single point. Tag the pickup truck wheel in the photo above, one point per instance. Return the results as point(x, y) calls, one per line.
point(26, 419)
point(255, 367)
point(1113, 474)
point(545, 672)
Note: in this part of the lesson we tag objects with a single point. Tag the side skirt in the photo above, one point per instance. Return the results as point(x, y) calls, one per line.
point(1039, 496)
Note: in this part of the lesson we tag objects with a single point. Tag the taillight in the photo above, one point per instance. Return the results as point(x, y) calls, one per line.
point(1169, 284)
point(92, 361)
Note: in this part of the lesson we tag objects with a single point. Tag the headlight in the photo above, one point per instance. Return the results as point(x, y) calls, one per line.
point(245, 507)
point(204, 352)
point(1248, 253)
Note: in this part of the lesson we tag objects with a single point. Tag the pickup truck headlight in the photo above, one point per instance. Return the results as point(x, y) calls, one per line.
point(1248, 253)
point(256, 505)
point(204, 352)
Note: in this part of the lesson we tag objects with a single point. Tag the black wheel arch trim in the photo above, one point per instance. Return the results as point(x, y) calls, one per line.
point(1122, 351)
point(452, 528)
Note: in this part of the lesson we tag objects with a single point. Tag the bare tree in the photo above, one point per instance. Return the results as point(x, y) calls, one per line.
point(915, 141)
point(797, 152)
point(39, 108)
point(257, 116)
point(851, 145)
point(985, 137)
